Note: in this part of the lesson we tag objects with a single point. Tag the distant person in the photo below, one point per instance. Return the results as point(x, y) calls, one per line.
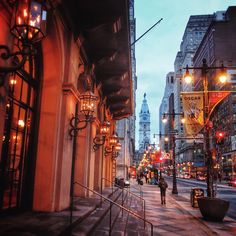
point(220, 177)
point(146, 178)
point(163, 186)
point(138, 179)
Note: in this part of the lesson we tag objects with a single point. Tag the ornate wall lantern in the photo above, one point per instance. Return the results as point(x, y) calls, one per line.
point(28, 27)
point(113, 140)
point(88, 105)
point(118, 147)
point(104, 130)
point(29, 21)
point(114, 146)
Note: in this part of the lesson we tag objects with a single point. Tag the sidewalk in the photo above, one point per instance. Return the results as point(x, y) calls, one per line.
point(226, 227)
point(179, 218)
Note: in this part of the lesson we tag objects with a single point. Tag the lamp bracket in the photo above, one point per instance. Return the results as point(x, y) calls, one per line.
point(98, 141)
point(74, 124)
point(111, 150)
point(6, 54)
point(108, 150)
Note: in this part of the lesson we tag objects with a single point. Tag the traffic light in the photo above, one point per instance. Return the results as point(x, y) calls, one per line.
point(220, 135)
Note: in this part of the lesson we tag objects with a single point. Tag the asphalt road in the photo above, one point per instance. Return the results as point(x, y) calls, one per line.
point(223, 191)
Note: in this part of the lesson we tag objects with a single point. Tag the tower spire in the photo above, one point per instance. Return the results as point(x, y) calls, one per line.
point(144, 125)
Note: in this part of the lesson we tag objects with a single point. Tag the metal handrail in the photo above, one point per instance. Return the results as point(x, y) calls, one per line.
point(133, 194)
point(118, 205)
point(141, 192)
point(123, 188)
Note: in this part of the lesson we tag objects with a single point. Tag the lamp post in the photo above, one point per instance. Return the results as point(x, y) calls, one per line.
point(164, 119)
point(206, 115)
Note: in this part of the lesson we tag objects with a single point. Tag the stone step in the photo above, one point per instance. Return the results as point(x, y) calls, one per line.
point(97, 220)
point(87, 225)
point(123, 223)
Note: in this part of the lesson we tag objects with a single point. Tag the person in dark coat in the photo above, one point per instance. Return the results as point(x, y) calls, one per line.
point(163, 186)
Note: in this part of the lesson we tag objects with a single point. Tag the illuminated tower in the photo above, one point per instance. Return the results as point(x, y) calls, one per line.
point(144, 125)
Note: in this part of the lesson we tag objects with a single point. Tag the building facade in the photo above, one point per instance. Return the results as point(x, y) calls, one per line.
point(126, 127)
point(46, 142)
point(165, 108)
point(187, 151)
point(219, 49)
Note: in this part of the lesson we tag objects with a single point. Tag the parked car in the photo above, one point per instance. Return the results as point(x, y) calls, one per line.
point(126, 184)
point(201, 177)
point(187, 176)
point(232, 182)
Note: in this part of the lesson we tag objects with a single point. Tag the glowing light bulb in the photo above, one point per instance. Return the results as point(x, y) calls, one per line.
point(21, 123)
point(223, 78)
point(12, 81)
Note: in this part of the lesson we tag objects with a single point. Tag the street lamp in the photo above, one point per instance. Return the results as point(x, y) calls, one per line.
point(173, 114)
point(206, 116)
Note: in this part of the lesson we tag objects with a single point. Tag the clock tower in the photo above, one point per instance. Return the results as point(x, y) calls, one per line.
point(144, 125)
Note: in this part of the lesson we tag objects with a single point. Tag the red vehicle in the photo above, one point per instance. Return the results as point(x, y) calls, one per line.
point(232, 182)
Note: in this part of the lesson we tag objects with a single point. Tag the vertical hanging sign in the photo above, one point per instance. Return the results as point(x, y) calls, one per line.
point(193, 111)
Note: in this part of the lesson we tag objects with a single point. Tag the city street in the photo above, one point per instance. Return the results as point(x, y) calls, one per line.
point(223, 191)
point(99, 100)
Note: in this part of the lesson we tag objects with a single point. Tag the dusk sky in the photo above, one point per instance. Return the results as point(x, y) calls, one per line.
point(156, 51)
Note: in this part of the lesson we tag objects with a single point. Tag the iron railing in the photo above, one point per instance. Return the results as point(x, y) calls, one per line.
point(130, 193)
point(118, 205)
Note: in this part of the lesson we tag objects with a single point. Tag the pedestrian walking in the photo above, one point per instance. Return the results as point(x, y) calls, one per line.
point(163, 186)
point(146, 178)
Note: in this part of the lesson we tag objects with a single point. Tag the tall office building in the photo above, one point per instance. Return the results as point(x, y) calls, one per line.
point(164, 107)
point(219, 49)
point(126, 127)
point(193, 35)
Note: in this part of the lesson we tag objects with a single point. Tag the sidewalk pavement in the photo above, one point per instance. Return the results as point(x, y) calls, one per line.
point(179, 218)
